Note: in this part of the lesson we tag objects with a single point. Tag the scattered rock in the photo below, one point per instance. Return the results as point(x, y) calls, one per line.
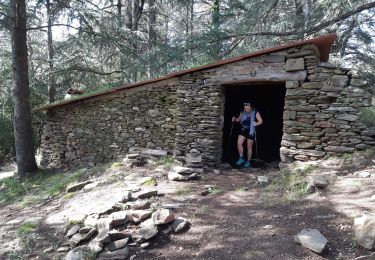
point(146, 194)
point(171, 205)
point(84, 230)
point(103, 229)
point(63, 249)
point(95, 246)
point(145, 233)
point(91, 220)
point(365, 230)
point(74, 229)
point(48, 250)
point(78, 253)
point(127, 196)
point(77, 186)
point(168, 230)
point(118, 218)
point(145, 245)
point(137, 205)
point(140, 214)
point(118, 254)
point(263, 179)
point(311, 239)
point(320, 181)
point(180, 224)
point(117, 235)
point(174, 176)
point(118, 244)
point(163, 216)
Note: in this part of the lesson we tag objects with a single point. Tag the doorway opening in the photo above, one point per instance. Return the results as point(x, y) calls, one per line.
point(268, 99)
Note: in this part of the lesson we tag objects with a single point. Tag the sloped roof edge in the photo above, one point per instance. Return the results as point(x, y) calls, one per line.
point(324, 44)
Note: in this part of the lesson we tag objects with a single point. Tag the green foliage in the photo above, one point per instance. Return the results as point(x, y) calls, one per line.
point(367, 116)
point(32, 190)
point(167, 161)
point(26, 228)
point(291, 185)
point(242, 189)
point(150, 182)
point(184, 190)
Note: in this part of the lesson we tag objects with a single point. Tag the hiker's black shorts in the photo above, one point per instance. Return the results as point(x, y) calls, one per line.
point(246, 134)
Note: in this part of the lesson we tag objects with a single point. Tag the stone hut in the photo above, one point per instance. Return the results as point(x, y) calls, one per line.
point(310, 110)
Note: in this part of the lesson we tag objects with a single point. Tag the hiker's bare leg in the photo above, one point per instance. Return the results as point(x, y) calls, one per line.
point(249, 148)
point(240, 141)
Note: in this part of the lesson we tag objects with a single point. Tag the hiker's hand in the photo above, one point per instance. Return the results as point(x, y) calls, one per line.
point(233, 119)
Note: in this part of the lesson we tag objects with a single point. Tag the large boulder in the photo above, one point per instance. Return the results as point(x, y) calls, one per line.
point(365, 230)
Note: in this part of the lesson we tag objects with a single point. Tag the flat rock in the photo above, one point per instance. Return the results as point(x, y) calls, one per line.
point(163, 216)
point(77, 186)
point(140, 214)
point(117, 235)
point(122, 253)
point(91, 220)
point(74, 229)
point(311, 239)
point(103, 229)
point(118, 218)
point(145, 233)
point(263, 179)
point(174, 176)
point(180, 224)
point(365, 230)
point(146, 194)
point(137, 205)
point(95, 246)
point(118, 244)
point(78, 253)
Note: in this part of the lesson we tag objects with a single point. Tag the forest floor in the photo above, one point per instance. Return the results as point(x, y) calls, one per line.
point(239, 218)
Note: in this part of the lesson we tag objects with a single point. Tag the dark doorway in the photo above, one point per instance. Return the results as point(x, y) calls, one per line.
point(268, 100)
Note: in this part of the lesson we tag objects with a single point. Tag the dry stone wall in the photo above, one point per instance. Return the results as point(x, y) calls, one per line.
point(103, 130)
point(185, 114)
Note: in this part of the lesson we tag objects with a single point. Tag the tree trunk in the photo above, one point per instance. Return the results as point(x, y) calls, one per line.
point(151, 36)
point(21, 94)
point(51, 78)
point(216, 47)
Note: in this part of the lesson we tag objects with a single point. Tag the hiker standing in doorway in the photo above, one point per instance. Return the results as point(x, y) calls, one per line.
point(249, 118)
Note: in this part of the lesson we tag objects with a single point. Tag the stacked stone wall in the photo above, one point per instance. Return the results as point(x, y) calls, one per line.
point(103, 130)
point(185, 114)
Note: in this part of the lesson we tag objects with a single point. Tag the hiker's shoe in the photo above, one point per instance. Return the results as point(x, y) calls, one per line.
point(240, 161)
point(247, 164)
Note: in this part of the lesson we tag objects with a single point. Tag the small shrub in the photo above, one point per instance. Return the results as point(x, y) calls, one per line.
point(150, 182)
point(291, 185)
point(242, 189)
point(184, 190)
point(166, 161)
point(26, 228)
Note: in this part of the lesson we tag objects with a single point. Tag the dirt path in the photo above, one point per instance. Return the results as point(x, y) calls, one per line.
point(234, 223)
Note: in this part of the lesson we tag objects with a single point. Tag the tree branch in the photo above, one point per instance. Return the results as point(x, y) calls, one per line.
point(57, 24)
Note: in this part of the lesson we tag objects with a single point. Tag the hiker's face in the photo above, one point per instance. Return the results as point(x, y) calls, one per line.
point(247, 108)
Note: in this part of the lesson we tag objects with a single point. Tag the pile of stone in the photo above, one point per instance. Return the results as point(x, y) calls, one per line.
point(134, 159)
point(181, 173)
point(130, 223)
